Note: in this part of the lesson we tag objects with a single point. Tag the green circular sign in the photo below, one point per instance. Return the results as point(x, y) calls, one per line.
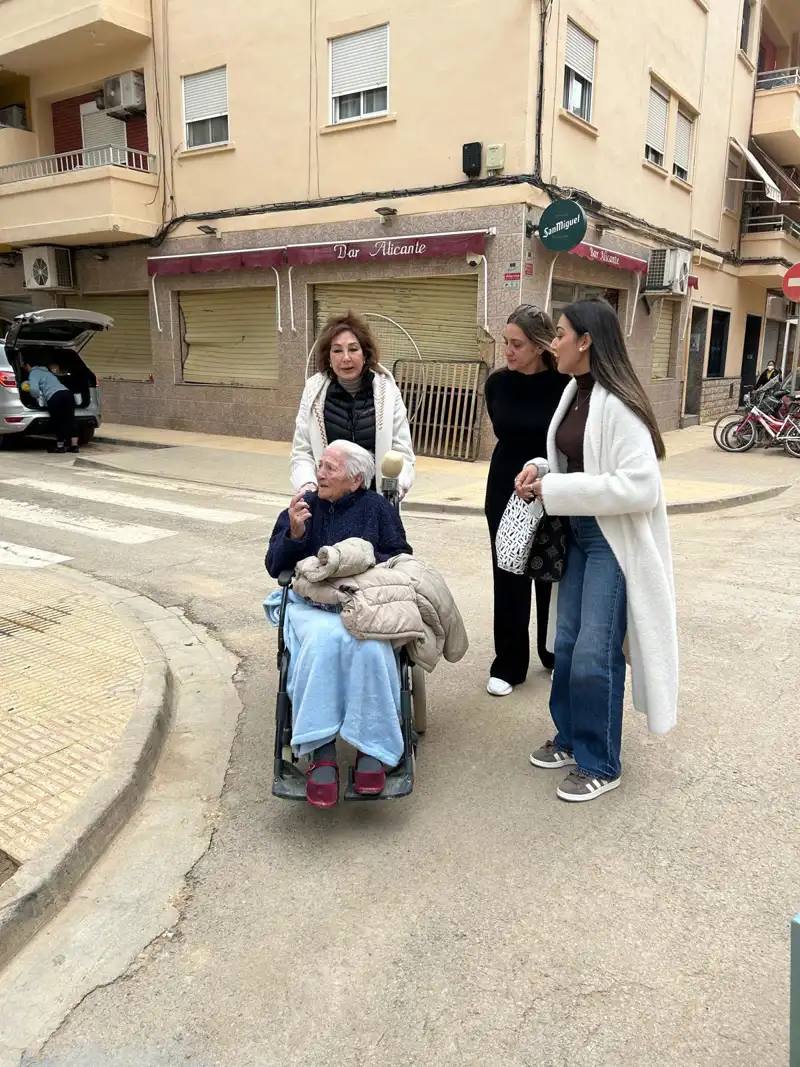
point(562, 226)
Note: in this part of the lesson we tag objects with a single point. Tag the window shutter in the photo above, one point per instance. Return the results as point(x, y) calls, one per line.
point(124, 352)
point(360, 61)
point(683, 141)
point(231, 336)
point(205, 96)
point(657, 119)
point(580, 51)
point(662, 340)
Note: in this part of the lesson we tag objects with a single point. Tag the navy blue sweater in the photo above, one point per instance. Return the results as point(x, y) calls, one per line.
point(363, 514)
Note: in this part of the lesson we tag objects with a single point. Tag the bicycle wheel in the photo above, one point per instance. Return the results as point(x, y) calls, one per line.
point(722, 422)
point(792, 446)
point(738, 437)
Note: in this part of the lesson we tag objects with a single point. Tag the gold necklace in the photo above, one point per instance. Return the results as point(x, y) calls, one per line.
point(584, 400)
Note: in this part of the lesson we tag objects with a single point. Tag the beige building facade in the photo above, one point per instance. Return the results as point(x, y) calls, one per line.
point(222, 185)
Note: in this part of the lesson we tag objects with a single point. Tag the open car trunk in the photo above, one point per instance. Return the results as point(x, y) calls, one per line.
point(55, 336)
point(73, 373)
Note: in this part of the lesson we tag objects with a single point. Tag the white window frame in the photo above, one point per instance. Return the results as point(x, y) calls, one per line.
point(206, 118)
point(574, 78)
point(676, 167)
point(334, 116)
point(747, 46)
point(653, 153)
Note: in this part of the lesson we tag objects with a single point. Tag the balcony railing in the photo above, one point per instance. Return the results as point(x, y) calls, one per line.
point(779, 79)
point(773, 224)
point(85, 159)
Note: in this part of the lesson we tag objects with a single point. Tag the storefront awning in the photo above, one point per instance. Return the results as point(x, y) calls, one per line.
point(607, 257)
point(207, 262)
point(414, 246)
point(423, 246)
point(772, 190)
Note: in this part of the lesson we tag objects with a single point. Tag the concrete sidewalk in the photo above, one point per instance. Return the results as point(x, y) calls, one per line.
point(92, 673)
point(72, 677)
point(697, 475)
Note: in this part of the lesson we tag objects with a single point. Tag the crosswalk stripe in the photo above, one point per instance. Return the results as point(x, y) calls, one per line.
point(12, 555)
point(190, 488)
point(86, 525)
point(127, 500)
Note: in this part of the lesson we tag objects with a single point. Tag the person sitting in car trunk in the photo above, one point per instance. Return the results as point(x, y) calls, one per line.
point(46, 387)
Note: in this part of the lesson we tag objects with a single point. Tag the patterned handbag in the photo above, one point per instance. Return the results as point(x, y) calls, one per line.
point(547, 561)
point(515, 534)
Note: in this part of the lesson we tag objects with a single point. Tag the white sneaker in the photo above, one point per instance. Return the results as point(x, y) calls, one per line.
point(498, 688)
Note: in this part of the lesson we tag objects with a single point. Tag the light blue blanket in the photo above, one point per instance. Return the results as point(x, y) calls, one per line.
point(338, 684)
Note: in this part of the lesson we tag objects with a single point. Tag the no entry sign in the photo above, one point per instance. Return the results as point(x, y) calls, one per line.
point(791, 282)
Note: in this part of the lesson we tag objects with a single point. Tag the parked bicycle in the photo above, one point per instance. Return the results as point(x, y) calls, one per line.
point(770, 418)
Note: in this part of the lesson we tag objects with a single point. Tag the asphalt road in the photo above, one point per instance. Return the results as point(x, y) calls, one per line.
point(481, 921)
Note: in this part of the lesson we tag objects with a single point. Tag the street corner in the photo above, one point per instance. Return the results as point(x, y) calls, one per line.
point(91, 673)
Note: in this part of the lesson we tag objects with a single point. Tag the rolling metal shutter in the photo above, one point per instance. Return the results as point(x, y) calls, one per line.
point(683, 142)
point(231, 336)
point(360, 61)
point(657, 121)
point(439, 313)
point(662, 341)
point(580, 51)
point(205, 95)
point(124, 352)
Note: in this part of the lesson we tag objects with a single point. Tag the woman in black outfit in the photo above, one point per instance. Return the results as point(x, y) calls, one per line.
point(521, 401)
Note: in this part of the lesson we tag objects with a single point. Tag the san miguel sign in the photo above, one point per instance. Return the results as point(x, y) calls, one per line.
point(390, 248)
point(562, 226)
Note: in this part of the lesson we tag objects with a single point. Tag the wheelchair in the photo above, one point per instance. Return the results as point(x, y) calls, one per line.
point(289, 782)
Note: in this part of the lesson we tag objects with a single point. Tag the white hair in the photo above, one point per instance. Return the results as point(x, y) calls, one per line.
point(357, 459)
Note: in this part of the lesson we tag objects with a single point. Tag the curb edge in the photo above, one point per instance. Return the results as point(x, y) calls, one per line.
point(30, 898)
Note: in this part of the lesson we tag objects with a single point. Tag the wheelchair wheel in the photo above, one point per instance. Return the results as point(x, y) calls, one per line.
point(419, 699)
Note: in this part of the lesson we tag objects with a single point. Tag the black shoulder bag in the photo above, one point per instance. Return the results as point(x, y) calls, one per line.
point(548, 559)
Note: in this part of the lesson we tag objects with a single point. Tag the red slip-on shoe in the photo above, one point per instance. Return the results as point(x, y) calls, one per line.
point(369, 775)
point(322, 794)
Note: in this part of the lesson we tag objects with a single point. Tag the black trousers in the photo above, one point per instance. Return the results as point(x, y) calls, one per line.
point(61, 407)
point(512, 616)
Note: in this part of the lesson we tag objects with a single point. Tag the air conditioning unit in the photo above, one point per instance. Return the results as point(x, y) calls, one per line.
point(123, 95)
point(668, 271)
point(47, 267)
point(14, 116)
point(778, 307)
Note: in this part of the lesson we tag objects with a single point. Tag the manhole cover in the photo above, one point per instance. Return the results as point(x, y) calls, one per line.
point(22, 621)
point(7, 867)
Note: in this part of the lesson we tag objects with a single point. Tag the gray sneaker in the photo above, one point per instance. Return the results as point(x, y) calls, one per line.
point(578, 786)
point(548, 756)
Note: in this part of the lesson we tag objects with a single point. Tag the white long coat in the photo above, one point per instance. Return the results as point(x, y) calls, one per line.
point(391, 429)
point(622, 489)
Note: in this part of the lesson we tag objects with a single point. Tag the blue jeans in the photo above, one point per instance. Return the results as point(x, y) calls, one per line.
point(589, 680)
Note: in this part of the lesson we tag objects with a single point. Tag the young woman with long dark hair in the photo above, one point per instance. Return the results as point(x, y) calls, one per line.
point(601, 471)
point(521, 400)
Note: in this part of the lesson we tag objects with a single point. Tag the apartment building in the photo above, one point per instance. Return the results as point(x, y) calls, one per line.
point(222, 184)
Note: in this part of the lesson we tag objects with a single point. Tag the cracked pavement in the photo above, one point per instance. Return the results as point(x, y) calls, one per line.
point(481, 921)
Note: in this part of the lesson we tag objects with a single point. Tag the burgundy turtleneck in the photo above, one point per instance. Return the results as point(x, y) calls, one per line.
point(570, 434)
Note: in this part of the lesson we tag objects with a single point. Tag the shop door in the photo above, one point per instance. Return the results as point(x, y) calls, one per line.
point(427, 336)
point(440, 314)
point(752, 341)
point(718, 348)
point(230, 337)
point(694, 370)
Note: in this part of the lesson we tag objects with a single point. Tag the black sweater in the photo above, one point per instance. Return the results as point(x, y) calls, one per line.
point(521, 407)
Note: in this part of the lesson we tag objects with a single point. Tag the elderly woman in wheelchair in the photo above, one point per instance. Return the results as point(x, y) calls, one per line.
point(337, 685)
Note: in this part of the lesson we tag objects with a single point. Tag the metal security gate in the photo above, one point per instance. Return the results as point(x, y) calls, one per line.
point(444, 399)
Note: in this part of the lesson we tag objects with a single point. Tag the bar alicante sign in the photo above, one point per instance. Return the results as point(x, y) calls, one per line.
point(562, 226)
